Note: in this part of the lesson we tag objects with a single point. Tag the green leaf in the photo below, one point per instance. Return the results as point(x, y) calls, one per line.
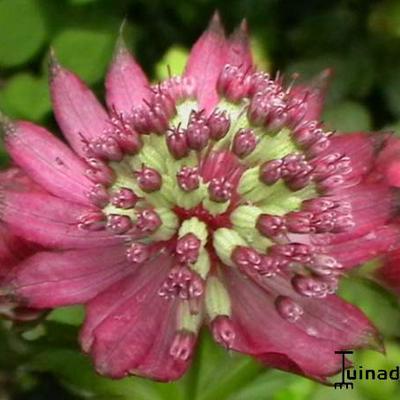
point(347, 116)
point(87, 52)
point(220, 373)
point(385, 18)
point(353, 72)
point(270, 385)
point(329, 393)
point(77, 373)
point(379, 389)
point(309, 68)
point(300, 389)
point(260, 54)
point(26, 96)
point(22, 31)
point(80, 2)
point(391, 89)
point(172, 390)
point(4, 158)
point(51, 334)
point(174, 60)
point(395, 128)
point(72, 315)
point(379, 305)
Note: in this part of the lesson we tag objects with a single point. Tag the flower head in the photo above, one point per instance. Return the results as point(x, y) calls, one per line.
point(216, 197)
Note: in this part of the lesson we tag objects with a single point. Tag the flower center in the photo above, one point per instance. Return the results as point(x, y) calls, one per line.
point(234, 186)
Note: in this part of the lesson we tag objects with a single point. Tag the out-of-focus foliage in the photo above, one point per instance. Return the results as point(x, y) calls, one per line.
point(22, 30)
point(359, 39)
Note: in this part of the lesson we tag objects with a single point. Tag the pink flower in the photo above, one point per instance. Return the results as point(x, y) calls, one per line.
point(211, 198)
point(14, 249)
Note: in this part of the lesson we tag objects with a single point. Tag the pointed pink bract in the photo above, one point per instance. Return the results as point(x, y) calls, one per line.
point(78, 112)
point(130, 329)
point(262, 333)
point(50, 221)
point(49, 162)
point(388, 162)
point(15, 249)
point(54, 279)
point(389, 273)
point(238, 48)
point(313, 93)
point(321, 329)
point(206, 61)
point(126, 84)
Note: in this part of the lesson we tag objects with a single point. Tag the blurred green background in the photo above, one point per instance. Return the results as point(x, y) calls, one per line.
point(359, 39)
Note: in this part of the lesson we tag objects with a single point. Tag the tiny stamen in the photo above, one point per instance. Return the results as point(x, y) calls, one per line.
point(148, 179)
point(99, 172)
point(118, 224)
point(310, 286)
point(182, 346)
point(288, 308)
point(271, 171)
point(223, 331)
point(244, 142)
point(187, 248)
point(294, 252)
point(198, 131)
point(105, 147)
point(188, 178)
point(148, 221)
point(219, 124)
point(270, 225)
point(92, 221)
point(98, 195)
point(124, 198)
point(220, 190)
point(177, 142)
point(233, 83)
point(246, 258)
point(137, 253)
point(182, 283)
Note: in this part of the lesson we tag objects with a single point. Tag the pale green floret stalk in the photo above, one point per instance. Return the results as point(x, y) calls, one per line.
point(237, 114)
point(195, 226)
point(187, 320)
point(163, 197)
point(191, 199)
point(225, 241)
point(217, 299)
point(215, 208)
point(202, 265)
point(271, 147)
point(169, 224)
point(244, 220)
point(149, 156)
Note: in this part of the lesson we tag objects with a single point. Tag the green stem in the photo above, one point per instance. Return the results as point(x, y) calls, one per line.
point(192, 378)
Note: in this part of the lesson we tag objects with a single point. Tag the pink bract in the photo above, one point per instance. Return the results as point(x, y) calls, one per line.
point(387, 167)
point(214, 198)
point(14, 249)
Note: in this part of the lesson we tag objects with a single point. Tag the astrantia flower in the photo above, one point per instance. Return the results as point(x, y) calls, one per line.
point(216, 198)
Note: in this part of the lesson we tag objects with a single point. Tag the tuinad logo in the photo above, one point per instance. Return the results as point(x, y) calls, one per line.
point(343, 384)
point(358, 372)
